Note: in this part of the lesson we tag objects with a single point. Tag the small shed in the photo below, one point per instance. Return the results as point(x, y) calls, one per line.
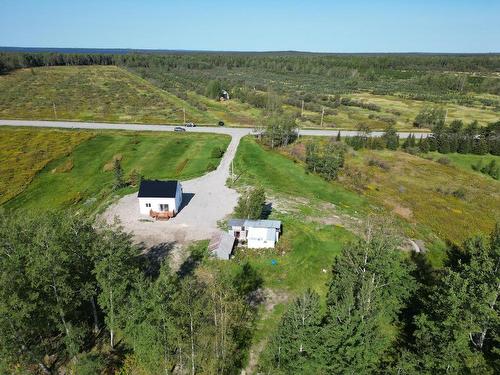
point(258, 234)
point(221, 245)
point(160, 197)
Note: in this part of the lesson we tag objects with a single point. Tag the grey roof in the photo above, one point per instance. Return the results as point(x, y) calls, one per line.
point(274, 224)
point(221, 245)
point(236, 222)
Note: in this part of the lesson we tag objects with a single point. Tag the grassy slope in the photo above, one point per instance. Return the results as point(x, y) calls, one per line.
point(90, 93)
point(179, 156)
point(465, 162)
point(24, 152)
point(421, 191)
point(309, 246)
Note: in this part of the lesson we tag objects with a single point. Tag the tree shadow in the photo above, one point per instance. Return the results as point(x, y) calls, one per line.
point(267, 208)
point(425, 277)
point(186, 198)
point(192, 261)
point(154, 256)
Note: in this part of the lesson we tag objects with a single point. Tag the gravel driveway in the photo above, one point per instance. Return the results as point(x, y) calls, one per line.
point(206, 200)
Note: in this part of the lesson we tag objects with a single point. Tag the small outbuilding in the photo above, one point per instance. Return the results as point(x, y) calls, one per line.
point(160, 199)
point(258, 234)
point(221, 245)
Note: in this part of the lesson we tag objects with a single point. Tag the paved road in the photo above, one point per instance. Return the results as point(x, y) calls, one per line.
point(238, 132)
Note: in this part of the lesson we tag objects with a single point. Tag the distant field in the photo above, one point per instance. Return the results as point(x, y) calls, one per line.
point(449, 201)
point(113, 94)
point(23, 153)
point(90, 93)
point(81, 177)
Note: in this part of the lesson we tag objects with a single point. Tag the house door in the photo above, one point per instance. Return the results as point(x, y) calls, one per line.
point(163, 207)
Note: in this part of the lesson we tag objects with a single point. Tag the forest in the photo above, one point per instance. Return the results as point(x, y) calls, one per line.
point(78, 296)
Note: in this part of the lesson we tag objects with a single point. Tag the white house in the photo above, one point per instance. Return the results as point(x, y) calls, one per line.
point(160, 197)
point(259, 234)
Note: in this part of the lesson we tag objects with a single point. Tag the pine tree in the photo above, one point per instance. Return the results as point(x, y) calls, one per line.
point(391, 138)
point(118, 174)
point(458, 330)
point(294, 346)
point(369, 286)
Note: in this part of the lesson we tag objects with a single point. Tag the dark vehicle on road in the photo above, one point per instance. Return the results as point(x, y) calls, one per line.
point(179, 129)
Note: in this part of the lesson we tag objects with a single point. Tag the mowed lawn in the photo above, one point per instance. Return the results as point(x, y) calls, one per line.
point(91, 93)
point(24, 152)
point(449, 201)
point(84, 177)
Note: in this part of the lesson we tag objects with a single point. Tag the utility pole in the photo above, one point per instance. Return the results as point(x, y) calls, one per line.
point(55, 112)
point(184, 111)
point(445, 116)
point(322, 115)
point(302, 111)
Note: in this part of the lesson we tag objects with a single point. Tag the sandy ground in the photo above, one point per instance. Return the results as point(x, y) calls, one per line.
point(206, 200)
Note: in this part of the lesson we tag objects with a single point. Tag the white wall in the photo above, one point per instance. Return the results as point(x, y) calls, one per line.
point(173, 203)
point(256, 239)
point(155, 204)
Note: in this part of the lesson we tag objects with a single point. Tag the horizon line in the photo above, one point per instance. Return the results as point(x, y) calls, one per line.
point(128, 49)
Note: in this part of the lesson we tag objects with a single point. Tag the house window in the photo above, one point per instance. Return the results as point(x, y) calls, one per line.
point(163, 207)
point(148, 205)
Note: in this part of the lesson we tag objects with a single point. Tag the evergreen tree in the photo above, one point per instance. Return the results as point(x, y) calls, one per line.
point(251, 204)
point(391, 138)
point(369, 286)
point(294, 346)
point(458, 331)
point(338, 138)
point(423, 145)
point(118, 174)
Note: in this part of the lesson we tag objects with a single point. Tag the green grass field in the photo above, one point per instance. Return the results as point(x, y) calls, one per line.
point(24, 152)
point(90, 93)
point(464, 161)
point(80, 178)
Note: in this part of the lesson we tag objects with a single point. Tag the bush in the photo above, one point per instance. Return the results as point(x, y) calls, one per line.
point(251, 204)
point(444, 161)
point(374, 162)
point(459, 193)
point(217, 152)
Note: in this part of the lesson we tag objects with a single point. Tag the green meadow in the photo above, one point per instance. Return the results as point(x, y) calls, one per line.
point(84, 177)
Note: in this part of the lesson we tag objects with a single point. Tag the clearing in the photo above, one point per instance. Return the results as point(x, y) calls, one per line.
point(91, 93)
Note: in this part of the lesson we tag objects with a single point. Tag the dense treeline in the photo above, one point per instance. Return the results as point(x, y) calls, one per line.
point(303, 63)
point(455, 137)
point(419, 75)
point(82, 296)
point(385, 314)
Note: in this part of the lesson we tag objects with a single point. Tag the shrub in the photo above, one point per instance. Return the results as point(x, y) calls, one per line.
point(374, 162)
point(217, 152)
point(459, 193)
point(444, 161)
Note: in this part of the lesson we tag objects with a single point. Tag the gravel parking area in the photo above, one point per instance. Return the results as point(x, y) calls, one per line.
point(206, 200)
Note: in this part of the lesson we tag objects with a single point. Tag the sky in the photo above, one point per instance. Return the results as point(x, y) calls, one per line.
point(255, 25)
